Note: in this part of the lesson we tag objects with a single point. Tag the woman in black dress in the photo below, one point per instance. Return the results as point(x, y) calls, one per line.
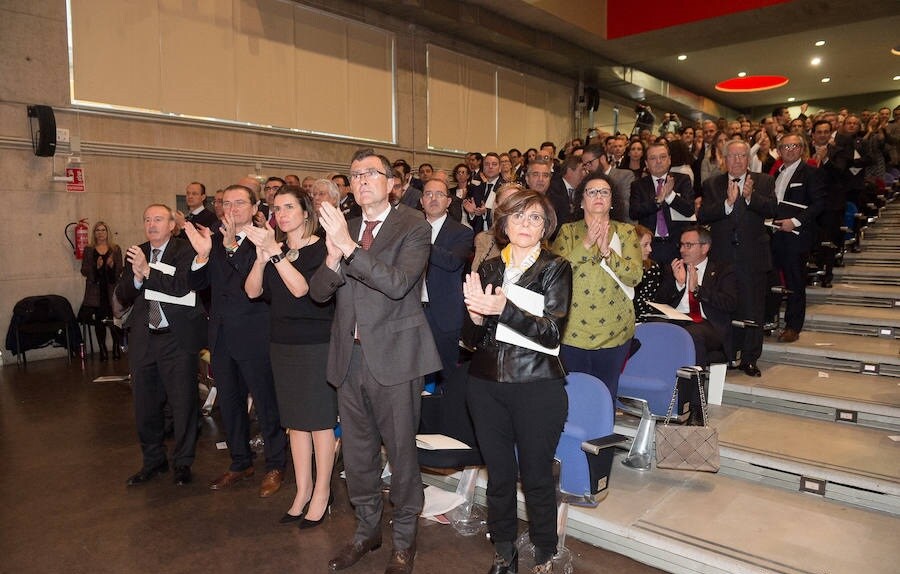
point(300, 332)
point(101, 267)
point(652, 278)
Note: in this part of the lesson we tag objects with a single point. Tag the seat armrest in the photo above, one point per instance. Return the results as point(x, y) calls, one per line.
point(595, 445)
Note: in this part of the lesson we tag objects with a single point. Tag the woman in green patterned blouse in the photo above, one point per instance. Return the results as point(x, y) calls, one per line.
point(605, 255)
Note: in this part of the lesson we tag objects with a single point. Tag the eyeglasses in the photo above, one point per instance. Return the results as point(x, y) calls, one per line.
point(689, 244)
point(587, 164)
point(790, 146)
point(434, 194)
point(236, 204)
point(595, 191)
point(367, 174)
point(533, 219)
point(736, 155)
point(657, 157)
point(272, 187)
point(538, 174)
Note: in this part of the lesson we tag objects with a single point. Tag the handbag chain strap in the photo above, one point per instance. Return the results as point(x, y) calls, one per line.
point(703, 406)
point(671, 403)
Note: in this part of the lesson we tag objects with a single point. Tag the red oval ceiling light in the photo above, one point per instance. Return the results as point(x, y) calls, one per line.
point(752, 83)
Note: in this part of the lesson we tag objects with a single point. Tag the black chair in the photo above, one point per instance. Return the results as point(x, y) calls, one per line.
point(39, 321)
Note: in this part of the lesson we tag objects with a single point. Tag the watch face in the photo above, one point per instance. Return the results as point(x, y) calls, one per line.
point(292, 255)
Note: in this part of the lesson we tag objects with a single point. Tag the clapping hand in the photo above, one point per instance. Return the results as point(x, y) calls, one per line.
point(679, 271)
point(200, 238)
point(480, 302)
point(139, 266)
point(264, 239)
point(731, 193)
point(748, 188)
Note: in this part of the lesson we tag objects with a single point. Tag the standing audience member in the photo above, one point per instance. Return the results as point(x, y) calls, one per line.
point(605, 255)
point(594, 158)
point(442, 297)
point(735, 206)
point(239, 342)
point(101, 266)
point(516, 395)
point(198, 214)
point(485, 242)
point(347, 205)
point(299, 334)
point(381, 347)
point(797, 183)
point(165, 339)
point(657, 198)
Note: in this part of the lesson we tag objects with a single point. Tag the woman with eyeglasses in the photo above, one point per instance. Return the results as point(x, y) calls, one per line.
point(299, 335)
point(101, 266)
point(516, 390)
point(605, 254)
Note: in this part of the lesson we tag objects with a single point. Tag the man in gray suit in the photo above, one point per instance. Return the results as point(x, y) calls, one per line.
point(381, 346)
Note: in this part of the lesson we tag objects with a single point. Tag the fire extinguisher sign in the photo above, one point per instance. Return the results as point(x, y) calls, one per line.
point(76, 179)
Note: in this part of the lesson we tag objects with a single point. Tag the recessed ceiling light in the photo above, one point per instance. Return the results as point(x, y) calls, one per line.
point(682, 57)
point(820, 43)
point(895, 50)
point(826, 80)
point(897, 77)
point(816, 61)
point(792, 99)
point(741, 74)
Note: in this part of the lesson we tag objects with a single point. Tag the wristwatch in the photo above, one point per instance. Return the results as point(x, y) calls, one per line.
point(350, 257)
point(275, 258)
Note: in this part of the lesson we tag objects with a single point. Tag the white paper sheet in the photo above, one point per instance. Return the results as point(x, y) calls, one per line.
point(670, 312)
point(532, 302)
point(164, 268)
point(189, 300)
point(440, 442)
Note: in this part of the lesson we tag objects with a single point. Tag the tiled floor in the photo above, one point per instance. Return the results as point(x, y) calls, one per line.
point(67, 446)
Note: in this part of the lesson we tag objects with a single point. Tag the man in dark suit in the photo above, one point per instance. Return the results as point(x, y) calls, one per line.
point(165, 339)
point(832, 163)
point(593, 158)
point(705, 290)
point(239, 342)
point(655, 196)
point(480, 199)
point(442, 295)
point(381, 347)
point(561, 192)
point(795, 228)
point(347, 204)
point(198, 214)
point(735, 206)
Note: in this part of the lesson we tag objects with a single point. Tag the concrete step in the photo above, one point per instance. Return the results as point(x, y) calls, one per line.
point(870, 274)
point(839, 352)
point(851, 320)
point(885, 296)
point(873, 258)
point(844, 398)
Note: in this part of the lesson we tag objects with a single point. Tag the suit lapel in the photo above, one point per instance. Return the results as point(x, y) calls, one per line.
point(386, 234)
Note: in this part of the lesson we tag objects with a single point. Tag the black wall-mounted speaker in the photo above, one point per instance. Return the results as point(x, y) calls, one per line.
point(43, 130)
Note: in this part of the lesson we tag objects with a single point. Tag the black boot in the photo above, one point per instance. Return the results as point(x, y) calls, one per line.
point(116, 342)
point(100, 331)
point(506, 559)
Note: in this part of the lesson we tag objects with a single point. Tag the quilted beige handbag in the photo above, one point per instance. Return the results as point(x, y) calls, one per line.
point(687, 447)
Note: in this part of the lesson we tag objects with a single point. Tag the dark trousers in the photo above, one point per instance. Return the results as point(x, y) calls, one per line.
point(706, 340)
point(372, 414)
point(447, 342)
point(790, 259)
point(525, 419)
point(605, 364)
point(168, 374)
point(751, 307)
point(665, 250)
point(235, 379)
point(830, 223)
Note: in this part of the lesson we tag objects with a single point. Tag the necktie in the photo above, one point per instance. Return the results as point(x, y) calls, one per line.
point(662, 229)
point(368, 237)
point(155, 311)
point(694, 306)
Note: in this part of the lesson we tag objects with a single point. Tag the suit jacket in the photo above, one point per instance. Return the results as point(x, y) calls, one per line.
point(717, 295)
point(450, 252)
point(564, 207)
point(806, 187)
point(643, 207)
point(622, 180)
point(349, 207)
point(379, 294)
point(188, 324)
point(741, 237)
point(477, 190)
point(244, 321)
point(206, 218)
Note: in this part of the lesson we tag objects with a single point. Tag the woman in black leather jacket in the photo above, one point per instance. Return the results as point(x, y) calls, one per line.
point(516, 394)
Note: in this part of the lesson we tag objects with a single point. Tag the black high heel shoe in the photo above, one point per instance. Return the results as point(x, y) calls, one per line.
point(307, 523)
point(501, 566)
point(289, 518)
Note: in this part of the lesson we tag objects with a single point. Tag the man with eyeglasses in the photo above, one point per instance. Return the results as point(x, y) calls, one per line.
point(704, 290)
point(271, 187)
point(656, 198)
point(796, 184)
point(381, 347)
point(480, 200)
point(239, 342)
point(442, 293)
point(594, 158)
point(736, 205)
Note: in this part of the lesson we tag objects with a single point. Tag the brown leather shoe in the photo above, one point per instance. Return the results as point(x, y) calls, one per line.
point(401, 561)
point(271, 483)
point(351, 553)
point(789, 336)
point(230, 477)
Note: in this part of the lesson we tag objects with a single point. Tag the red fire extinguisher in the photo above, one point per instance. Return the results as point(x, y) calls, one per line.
point(81, 237)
